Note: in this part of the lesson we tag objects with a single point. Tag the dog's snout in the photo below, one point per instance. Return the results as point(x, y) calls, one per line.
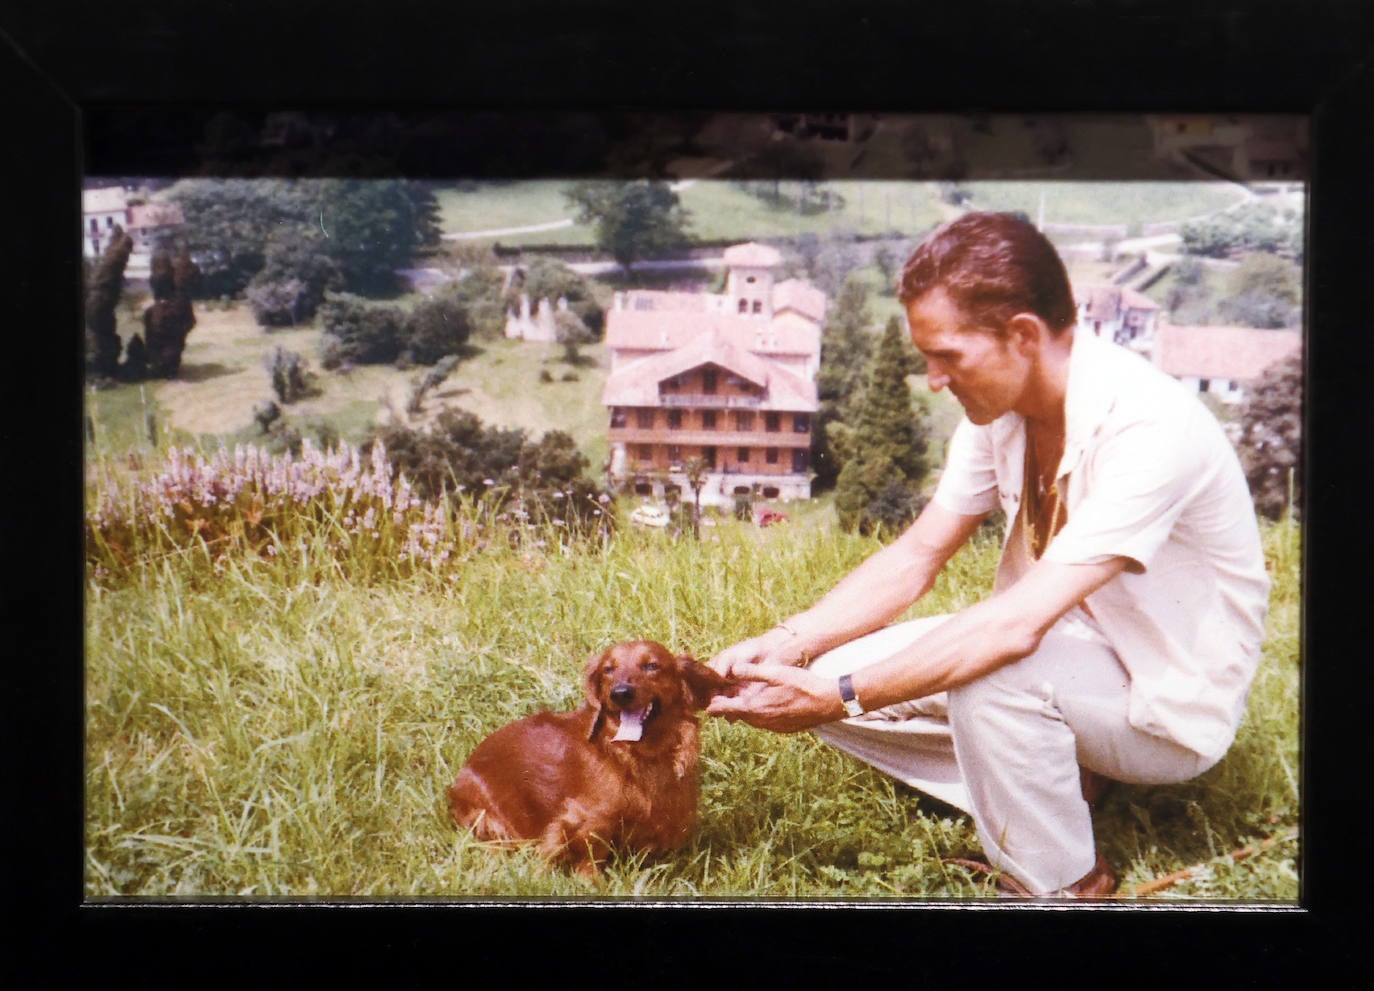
point(623, 694)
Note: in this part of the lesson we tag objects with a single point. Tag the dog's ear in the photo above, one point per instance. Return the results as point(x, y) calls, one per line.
point(701, 683)
point(591, 688)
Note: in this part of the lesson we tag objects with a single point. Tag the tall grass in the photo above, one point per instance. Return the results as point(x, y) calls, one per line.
point(284, 725)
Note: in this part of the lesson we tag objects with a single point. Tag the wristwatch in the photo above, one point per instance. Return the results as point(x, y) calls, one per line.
point(847, 696)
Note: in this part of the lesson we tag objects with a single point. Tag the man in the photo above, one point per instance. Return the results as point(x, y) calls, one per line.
point(1127, 615)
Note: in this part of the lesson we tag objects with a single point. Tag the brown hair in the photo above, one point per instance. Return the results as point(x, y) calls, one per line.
point(993, 266)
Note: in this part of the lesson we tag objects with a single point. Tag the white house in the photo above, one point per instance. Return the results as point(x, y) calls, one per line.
point(107, 207)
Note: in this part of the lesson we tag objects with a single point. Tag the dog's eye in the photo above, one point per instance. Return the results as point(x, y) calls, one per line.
point(651, 666)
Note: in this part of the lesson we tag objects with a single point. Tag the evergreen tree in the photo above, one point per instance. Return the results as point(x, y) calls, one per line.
point(846, 349)
point(169, 320)
point(879, 488)
point(102, 296)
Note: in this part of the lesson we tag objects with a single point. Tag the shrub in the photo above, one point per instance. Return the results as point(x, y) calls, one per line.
point(512, 479)
point(1270, 444)
point(357, 331)
point(437, 326)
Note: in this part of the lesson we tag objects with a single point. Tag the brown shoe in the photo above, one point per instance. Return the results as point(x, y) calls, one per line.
point(1099, 882)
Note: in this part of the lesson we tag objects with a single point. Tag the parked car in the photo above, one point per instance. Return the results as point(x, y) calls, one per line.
point(647, 515)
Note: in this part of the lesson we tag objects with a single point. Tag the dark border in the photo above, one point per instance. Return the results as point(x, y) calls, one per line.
point(170, 64)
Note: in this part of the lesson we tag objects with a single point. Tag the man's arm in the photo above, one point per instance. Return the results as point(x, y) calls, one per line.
point(866, 599)
point(969, 645)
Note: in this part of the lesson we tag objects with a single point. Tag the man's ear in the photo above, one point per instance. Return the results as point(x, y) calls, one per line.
point(1027, 332)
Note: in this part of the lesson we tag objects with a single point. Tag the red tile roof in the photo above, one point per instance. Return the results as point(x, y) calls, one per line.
point(637, 384)
point(1239, 353)
point(146, 215)
point(651, 330)
point(796, 294)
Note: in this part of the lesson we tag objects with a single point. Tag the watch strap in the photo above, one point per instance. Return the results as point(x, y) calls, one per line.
point(848, 698)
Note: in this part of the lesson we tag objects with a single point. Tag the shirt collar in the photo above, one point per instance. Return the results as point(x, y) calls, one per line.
point(1089, 394)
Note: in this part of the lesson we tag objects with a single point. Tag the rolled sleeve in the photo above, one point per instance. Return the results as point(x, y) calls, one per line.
point(1136, 491)
point(968, 485)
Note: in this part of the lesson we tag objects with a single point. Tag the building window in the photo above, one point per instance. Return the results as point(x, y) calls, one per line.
point(646, 452)
point(742, 455)
point(801, 423)
point(1202, 385)
point(644, 418)
point(708, 381)
point(675, 419)
point(772, 422)
point(749, 279)
point(675, 454)
point(801, 459)
point(744, 419)
point(771, 455)
point(617, 416)
point(744, 306)
point(95, 228)
point(708, 419)
point(758, 306)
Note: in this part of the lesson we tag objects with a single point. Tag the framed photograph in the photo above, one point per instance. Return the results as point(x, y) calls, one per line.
point(379, 475)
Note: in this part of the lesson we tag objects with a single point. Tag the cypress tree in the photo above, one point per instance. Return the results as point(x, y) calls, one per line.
point(879, 486)
point(102, 296)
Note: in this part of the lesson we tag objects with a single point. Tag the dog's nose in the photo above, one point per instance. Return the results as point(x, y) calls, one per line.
point(623, 694)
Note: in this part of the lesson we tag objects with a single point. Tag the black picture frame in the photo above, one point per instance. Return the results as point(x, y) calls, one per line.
point(67, 65)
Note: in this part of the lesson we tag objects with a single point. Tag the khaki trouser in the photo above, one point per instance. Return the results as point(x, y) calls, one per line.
point(1007, 748)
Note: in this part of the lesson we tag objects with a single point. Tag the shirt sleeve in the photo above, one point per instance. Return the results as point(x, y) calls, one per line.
point(1138, 485)
point(968, 484)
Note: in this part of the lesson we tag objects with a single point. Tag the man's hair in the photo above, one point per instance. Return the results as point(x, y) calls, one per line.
point(993, 266)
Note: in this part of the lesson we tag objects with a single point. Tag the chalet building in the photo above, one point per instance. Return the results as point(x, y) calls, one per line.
point(104, 209)
point(1118, 313)
point(729, 378)
point(1221, 361)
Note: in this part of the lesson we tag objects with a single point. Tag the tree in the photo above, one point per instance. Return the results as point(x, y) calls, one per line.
point(846, 349)
point(879, 486)
point(696, 468)
point(572, 333)
point(168, 321)
point(372, 227)
point(294, 278)
point(106, 285)
point(1270, 444)
point(631, 220)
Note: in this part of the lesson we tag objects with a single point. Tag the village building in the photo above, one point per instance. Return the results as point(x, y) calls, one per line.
point(1221, 361)
point(728, 378)
point(1118, 313)
point(105, 208)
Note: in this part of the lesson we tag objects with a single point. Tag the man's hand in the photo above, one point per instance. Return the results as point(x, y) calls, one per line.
point(780, 698)
point(776, 647)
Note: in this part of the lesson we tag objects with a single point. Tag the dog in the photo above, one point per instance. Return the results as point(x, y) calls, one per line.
point(619, 773)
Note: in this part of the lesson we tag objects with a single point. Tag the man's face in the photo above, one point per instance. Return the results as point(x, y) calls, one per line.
point(981, 369)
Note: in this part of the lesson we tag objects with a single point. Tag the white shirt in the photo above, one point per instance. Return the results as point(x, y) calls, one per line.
point(1147, 474)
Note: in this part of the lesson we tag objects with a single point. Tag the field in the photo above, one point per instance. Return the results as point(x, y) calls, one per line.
point(279, 719)
point(719, 209)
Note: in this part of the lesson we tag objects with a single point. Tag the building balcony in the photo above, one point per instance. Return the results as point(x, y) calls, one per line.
point(710, 438)
point(668, 399)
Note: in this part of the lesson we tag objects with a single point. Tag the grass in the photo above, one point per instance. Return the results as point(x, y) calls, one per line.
point(224, 376)
point(284, 726)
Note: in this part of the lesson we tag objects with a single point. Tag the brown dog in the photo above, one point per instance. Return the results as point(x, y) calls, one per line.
point(618, 773)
